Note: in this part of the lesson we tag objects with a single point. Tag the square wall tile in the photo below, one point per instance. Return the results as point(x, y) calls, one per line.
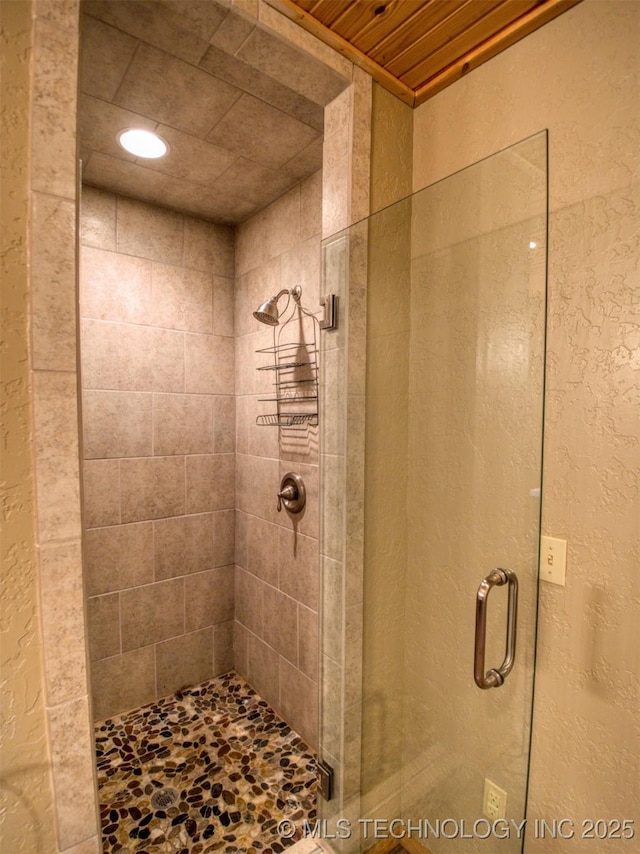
point(99, 354)
point(118, 557)
point(53, 284)
point(62, 608)
point(280, 628)
point(103, 625)
point(182, 299)
point(208, 247)
point(136, 363)
point(331, 722)
point(101, 493)
point(168, 367)
point(182, 545)
point(223, 306)
point(55, 65)
point(311, 207)
point(98, 218)
point(147, 231)
point(332, 608)
point(263, 555)
point(53, 150)
point(182, 424)
point(264, 440)
point(224, 424)
point(209, 364)
point(241, 539)
point(150, 359)
point(299, 567)
point(184, 661)
point(114, 286)
point(72, 771)
point(257, 485)
point(249, 597)
point(209, 598)
point(223, 654)
point(210, 482)
point(262, 669)
point(240, 649)
point(116, 424)
point(252, 289)
point(124, 682)
point(152, 488)
point(300, 265)
point(308, 521)
point(55, 411)
point(284, 223)
point(308, 635)
point(224, 546)
point(151, 613)
point(299, 701)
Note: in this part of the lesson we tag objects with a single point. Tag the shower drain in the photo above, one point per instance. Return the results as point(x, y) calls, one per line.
point(164, 798)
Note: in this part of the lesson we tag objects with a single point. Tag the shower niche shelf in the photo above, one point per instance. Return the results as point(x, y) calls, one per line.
point(294, 368)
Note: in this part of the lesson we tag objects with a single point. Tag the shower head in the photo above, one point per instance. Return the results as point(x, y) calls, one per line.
point(268, 311)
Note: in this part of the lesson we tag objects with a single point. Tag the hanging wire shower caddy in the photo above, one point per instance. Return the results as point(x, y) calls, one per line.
point(294, 363)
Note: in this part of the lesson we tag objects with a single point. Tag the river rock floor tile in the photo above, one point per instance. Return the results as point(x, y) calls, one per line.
point(210, 768)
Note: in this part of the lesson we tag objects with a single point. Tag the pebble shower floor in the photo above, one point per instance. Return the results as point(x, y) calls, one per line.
point(211, 768)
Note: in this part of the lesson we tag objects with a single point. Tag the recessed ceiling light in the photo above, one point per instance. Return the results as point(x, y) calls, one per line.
point(532, 244)
point(142, 143)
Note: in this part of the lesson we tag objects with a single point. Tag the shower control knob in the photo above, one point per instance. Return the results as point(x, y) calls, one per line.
point(289, 493)
point(292, 493)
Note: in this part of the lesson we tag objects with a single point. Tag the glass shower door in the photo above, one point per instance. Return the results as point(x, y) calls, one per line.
point(455, 292)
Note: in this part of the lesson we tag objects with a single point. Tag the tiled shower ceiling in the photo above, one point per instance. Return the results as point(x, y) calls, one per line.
point(241, 110)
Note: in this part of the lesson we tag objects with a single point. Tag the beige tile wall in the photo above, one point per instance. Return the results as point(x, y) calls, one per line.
point(157, 354)
point(277, 563)
point(345, 200)
point(49, 163)
point(48, 423)
point(28, 808)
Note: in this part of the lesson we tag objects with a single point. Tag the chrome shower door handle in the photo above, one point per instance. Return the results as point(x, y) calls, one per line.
point(494, 678)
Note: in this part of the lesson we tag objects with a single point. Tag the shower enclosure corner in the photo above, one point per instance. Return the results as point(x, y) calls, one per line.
point(432, 395)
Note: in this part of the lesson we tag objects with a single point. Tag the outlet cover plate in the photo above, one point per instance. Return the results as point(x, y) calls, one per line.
point(494, 801)
point(553, 560)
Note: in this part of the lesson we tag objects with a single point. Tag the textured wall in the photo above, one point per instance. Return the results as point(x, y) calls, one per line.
point(578, 76)
point(277, 583)
point(158, 414)
point(51, 111)
point(25, 789)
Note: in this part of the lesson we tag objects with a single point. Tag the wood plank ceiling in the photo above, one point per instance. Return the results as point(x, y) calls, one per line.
point(415, 48)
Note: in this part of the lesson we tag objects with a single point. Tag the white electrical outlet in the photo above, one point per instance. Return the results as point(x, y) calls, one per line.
point(494, 801)
point(553, 560)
